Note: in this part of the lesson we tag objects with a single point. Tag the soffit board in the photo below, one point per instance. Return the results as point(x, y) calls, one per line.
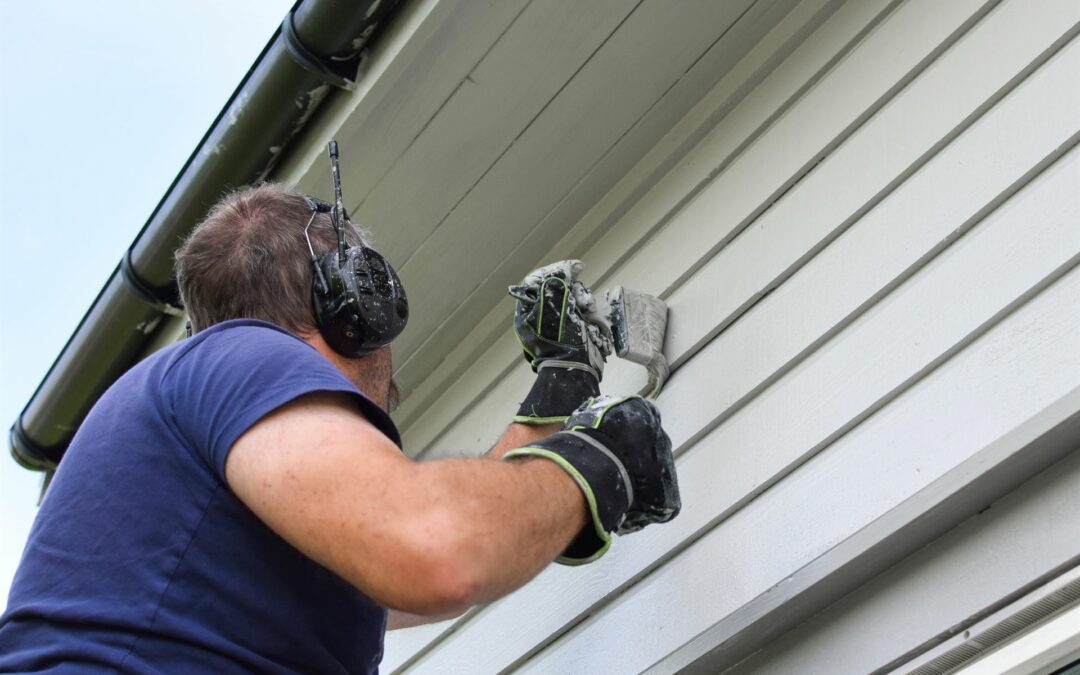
point(489, 131)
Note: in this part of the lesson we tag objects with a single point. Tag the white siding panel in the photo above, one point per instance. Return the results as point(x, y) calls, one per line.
point(622, 80)
point(871, 283)
point(778, 158)
point(458, 383)
point(820, 120)
point(898, 49)
point(884, 152)
point(939, 203)
point(943, 588)
point(1022, 366)
point(812, 404)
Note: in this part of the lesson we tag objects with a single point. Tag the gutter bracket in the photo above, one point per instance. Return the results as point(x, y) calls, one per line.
point(143, 291)
point(339, 73)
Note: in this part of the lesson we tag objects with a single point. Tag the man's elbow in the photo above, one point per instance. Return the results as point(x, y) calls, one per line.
point(454, 587)
point(446, 577)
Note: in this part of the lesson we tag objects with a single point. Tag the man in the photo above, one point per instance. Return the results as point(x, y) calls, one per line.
point(239, 502)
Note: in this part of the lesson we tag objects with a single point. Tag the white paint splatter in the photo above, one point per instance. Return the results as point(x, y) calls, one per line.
point(236, 110)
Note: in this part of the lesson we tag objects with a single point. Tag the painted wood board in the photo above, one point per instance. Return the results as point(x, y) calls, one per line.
point(1022, 366)
point(876, 160)
point(1051, 91)
point(899, 48)
point(753, 173)
point(623, 78)
point(399, 646)
point(514, 82)
point(757, 64)
point(416, 65)
point(776, 93)
point(605, 172)
point(582, 587)
point(884, 247)
point(942, 589)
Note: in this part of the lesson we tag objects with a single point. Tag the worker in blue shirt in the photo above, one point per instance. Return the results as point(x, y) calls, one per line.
point(239, 501)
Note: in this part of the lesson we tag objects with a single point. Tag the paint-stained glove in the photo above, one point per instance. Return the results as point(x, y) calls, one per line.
point(565, 350)
point(620, 457)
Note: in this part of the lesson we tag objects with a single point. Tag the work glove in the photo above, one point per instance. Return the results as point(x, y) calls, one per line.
point(620, 457)
point(555, 322)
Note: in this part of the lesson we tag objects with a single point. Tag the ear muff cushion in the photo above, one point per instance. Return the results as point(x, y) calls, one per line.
point(365, 307)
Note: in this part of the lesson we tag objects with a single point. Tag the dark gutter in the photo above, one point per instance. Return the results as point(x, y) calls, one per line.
point(318, 48)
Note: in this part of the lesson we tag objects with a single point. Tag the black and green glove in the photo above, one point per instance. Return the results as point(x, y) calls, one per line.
point(620, 457)
point(630, 428)
point(565, 350)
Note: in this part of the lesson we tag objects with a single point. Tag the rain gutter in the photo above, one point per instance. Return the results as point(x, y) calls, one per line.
point(318, 48)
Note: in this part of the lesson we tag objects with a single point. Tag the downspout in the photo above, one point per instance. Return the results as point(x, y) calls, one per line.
point(318, 47)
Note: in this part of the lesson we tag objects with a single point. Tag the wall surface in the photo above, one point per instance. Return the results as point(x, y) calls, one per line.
point(868, 232)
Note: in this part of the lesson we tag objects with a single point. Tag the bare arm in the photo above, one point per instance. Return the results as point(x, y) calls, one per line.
point(515, 436)
point(425, 538)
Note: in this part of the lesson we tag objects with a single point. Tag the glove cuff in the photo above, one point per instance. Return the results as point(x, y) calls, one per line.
point(560, 387)
point(603, 480)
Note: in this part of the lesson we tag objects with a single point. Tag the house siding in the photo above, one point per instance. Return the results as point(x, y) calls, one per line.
point(868, 235)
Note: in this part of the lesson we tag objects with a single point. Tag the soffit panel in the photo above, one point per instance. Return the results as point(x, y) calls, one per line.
point(563, 101)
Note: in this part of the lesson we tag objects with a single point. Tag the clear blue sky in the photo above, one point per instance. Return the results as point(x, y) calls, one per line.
point(100, 105)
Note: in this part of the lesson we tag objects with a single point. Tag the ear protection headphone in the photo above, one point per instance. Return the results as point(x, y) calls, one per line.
point(360, 304)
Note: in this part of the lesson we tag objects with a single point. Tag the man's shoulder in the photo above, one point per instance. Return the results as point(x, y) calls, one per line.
point(240, 344)
point(243, 333)
point(242, 362)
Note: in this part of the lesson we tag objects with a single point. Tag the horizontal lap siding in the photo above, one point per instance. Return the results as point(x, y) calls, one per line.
point(935, 593)
point(870, 266)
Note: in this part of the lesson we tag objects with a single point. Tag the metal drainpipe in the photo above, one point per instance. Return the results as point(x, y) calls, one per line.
point(318, 47)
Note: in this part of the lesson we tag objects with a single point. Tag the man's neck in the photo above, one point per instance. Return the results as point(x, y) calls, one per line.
point(370, 373)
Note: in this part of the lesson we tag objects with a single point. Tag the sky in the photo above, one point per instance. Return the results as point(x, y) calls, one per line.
point(100, 105)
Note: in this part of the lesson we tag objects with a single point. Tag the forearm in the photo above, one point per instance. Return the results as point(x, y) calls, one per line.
point(518, 435)
point(513, 517)
point(426, 538)
point(499, 523)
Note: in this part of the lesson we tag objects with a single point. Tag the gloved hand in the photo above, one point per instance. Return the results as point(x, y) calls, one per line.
point(630, 429)
point(565, 350)
point(620, 457)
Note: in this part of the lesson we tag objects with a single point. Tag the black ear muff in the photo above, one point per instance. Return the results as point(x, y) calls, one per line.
point(360, 304)
point(364, 306)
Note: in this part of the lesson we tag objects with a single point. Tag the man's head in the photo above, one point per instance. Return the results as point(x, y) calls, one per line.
point(249, 259)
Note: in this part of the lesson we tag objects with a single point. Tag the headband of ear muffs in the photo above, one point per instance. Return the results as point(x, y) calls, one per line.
point(360, 303)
